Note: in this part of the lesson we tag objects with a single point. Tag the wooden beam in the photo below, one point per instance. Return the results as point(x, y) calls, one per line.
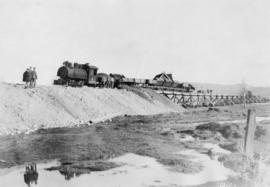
point(250, 133)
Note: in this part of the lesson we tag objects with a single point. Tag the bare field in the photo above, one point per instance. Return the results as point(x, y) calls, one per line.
point(87, 148)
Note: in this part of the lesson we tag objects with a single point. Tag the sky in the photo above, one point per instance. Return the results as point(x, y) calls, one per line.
point(208, 41)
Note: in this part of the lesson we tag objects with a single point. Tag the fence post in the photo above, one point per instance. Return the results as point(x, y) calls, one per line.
point(250, 133)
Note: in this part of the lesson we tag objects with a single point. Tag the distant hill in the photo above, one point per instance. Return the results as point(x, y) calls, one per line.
point(232, 89)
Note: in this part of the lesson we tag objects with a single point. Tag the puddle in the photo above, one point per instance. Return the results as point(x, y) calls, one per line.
point(136, 171)
point(213, 170)
point(14, 177)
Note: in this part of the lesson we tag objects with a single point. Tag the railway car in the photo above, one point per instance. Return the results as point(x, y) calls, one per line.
point(140, 81)
point(117, 79)
point(127, 81)
point(102, 80)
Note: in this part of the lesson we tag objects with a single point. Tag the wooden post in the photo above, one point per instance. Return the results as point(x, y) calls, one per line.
point(245, 99)
point(250, 133)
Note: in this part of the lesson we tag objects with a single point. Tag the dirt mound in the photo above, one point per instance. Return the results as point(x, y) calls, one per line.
point(231, 146)
point(230, 130)
point(55, 106)
point(215, 131)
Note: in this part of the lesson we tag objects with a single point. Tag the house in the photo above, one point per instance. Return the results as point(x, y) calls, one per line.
point(164, 77)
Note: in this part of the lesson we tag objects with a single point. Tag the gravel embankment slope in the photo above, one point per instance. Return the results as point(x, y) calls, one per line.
point(23, 110)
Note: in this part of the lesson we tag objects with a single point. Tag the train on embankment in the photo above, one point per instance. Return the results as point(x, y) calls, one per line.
point(75, 74)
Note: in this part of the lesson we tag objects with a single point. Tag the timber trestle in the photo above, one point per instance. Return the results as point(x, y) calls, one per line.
point(204, 100)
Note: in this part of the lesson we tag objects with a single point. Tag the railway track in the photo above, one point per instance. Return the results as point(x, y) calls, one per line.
point(205, 100)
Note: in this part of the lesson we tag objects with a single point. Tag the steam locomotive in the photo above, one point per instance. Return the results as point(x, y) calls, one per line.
point(80, 75)
point(84, 74)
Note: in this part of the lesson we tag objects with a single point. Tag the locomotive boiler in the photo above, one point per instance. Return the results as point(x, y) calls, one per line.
point(76, 74)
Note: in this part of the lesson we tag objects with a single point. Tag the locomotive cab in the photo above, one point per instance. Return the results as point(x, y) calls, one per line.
point(91, 72)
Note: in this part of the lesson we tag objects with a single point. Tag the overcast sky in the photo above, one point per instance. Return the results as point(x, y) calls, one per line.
point(215, 41)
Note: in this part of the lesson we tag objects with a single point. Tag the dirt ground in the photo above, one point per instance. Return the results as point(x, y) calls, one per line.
point(83, 149)
point(26, 110)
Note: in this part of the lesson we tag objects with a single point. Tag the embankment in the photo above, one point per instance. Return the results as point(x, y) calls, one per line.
point(23, 110)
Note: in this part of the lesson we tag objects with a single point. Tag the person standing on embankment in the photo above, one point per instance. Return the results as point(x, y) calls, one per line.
point(30, 77)
point(27, 77)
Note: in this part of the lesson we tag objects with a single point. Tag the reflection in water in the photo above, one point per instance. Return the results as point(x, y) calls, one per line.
point(135, 170)
point(70, 172)
point(31, 174)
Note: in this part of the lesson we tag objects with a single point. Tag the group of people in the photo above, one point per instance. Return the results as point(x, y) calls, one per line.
point(30, 77)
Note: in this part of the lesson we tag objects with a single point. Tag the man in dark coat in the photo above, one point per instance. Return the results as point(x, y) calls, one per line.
point(27, 77)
